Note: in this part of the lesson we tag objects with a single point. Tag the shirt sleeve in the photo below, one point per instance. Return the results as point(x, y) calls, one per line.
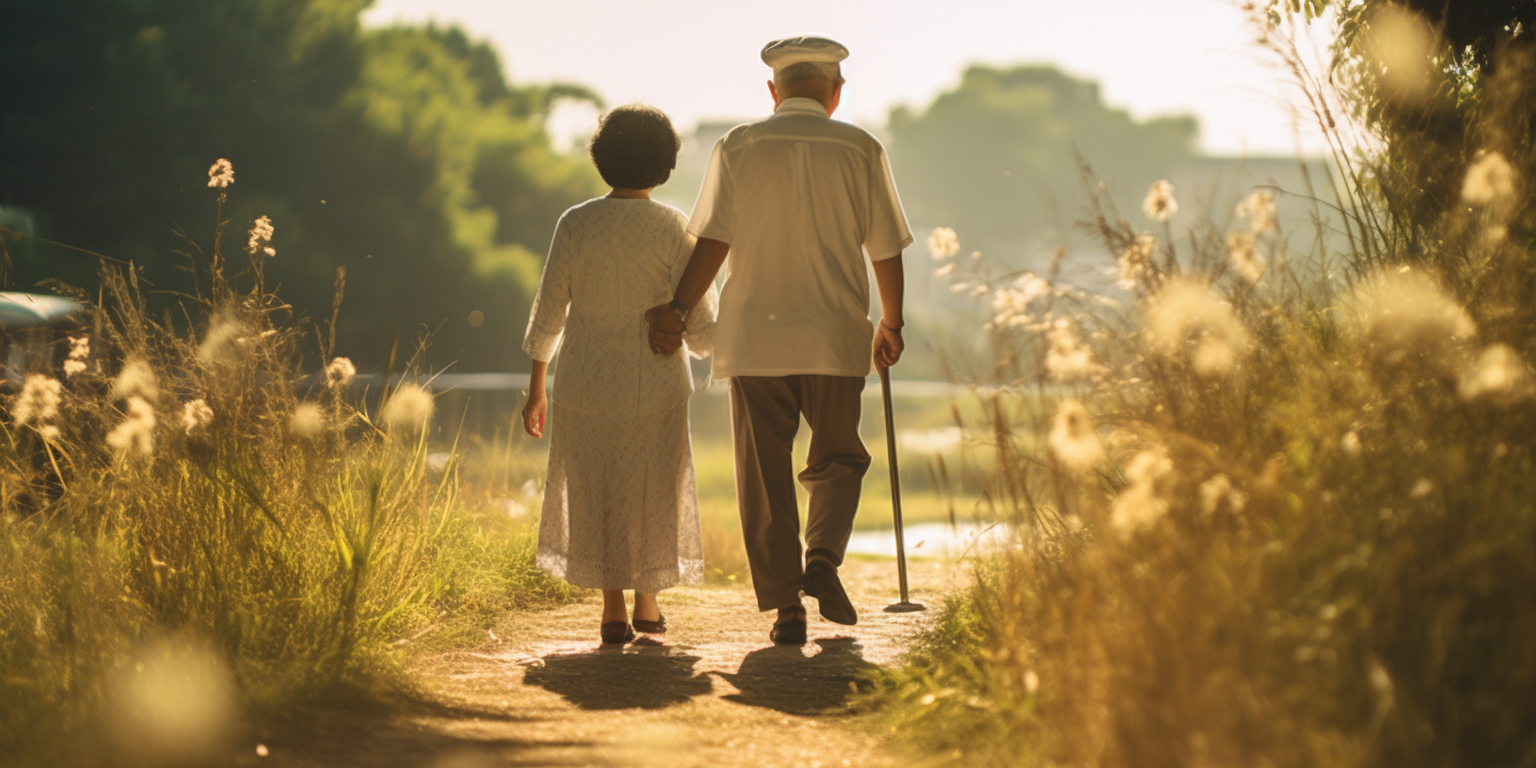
point(713, 212)
point(888, 233)
point(546, 321)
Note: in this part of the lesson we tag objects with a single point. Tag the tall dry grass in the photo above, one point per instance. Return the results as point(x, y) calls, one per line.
point(1276, 508)
point(193, 532)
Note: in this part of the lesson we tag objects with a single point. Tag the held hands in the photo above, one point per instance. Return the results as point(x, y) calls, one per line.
point(888, 345)
point(666, 329)
point(533, 413)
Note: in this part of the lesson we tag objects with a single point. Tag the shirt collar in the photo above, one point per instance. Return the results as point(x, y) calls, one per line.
point(800, 105)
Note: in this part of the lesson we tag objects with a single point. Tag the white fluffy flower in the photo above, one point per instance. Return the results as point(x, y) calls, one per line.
point(1218, 492)
point(1072, 439)
point(307, 420)
point(1243, 255)
point(1159, 204)
point(1068, 358)
point(261, 237)
point(136, 433)
point(1498, 374)
point(1259, 209)
point(1186, 319)
point(221, 174)
point(1405, 312)
point(38, 401)
point(409, 408)
point(1489, 180)
point(943, 243)
point(339, 372)
point(1136, 262)
point(1139, 506)
point(136, 378)
point(196, 415)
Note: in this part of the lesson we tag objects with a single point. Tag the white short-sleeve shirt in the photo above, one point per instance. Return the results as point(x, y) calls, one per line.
point(802, 199)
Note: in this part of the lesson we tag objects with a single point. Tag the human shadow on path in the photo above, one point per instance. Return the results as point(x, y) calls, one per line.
point(641, 676)
point(787, 679)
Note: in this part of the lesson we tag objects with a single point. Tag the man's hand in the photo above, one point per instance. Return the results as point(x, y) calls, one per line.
point(533, 413)
point(888, 345)
point(666, 329)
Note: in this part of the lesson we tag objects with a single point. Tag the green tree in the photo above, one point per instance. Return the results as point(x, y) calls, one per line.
point(401, 154)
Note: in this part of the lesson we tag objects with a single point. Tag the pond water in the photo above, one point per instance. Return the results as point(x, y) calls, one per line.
point(940, 541)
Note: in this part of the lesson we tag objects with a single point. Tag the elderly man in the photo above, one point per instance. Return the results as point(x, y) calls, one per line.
point(798, 201)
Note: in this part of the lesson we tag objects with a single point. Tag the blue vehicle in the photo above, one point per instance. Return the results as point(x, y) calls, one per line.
point(33, 327)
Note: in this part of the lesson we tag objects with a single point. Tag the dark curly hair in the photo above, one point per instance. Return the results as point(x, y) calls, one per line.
point(635, 147)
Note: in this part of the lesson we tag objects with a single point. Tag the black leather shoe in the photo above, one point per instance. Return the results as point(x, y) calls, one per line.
point(791, 632)
point(657, 627)
point(617, 633)
point(822, 583)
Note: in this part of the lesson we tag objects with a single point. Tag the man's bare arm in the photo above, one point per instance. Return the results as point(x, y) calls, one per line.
point(891, 280)
point(703, 265)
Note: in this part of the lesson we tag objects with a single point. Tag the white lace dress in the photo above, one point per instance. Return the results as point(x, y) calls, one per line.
point(620, 504)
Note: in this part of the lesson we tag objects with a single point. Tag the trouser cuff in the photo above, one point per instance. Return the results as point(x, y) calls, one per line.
point(836, 558)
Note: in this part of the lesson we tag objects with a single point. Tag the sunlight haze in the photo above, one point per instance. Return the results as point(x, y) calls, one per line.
point(697, 59)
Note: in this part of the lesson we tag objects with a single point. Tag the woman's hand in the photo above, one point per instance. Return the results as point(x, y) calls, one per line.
point(533, 413)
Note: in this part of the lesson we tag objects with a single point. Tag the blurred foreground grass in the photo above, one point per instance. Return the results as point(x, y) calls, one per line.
point(1272, 508)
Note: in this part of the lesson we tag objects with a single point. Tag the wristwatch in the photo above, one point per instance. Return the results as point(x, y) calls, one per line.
point(679, 310)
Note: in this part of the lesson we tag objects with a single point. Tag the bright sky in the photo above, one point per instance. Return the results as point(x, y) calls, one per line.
point(699, 58)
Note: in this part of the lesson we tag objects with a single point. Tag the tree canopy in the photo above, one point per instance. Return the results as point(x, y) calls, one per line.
point(401, 153)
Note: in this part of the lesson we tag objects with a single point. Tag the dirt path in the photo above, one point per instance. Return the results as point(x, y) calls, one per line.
point(715, 693)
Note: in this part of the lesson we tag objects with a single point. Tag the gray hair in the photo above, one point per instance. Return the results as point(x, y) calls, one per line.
point(804, 71)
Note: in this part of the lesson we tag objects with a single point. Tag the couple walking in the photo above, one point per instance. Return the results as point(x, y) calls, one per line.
point(796, 201)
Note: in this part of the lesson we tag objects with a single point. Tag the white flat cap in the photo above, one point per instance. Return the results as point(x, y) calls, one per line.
point(794, 50)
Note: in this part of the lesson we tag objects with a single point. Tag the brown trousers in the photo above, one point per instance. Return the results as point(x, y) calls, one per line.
point(765, 414)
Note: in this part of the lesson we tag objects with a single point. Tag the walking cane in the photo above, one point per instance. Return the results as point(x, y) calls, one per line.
point(905, 606)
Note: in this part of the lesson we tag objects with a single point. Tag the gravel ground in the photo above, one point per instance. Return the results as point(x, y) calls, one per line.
point(712, 692)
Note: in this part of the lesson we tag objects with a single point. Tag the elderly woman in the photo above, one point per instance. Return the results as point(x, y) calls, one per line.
point(620, 507)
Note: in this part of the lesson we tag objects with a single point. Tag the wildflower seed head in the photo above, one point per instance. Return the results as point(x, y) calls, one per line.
point(308, 420)
point(1068, 358)
point(1010, 302)
point(1072, 439)
point(1498, 375)
point(1186, 319)
point(1405, 312)
point(339, 372)
point(135, 434)
point(1350, 443)
point(221, 174)
point(220, 343)
point(943, 243)
point(1259, 209)
point(136, 378)
point(38, 401)
point(79, 347)
point(1217, 493)
point(261, 237)
point(408, 409)
point(944, 270)
point(1139, 507)
point(1490, 179)
point(1159, 204)
point(1136, 262)
point(196, 416)
point(72, 367)
point(1243, 255)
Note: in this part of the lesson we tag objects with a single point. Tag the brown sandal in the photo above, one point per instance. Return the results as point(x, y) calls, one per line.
point(617, 633)
point(657, 627)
